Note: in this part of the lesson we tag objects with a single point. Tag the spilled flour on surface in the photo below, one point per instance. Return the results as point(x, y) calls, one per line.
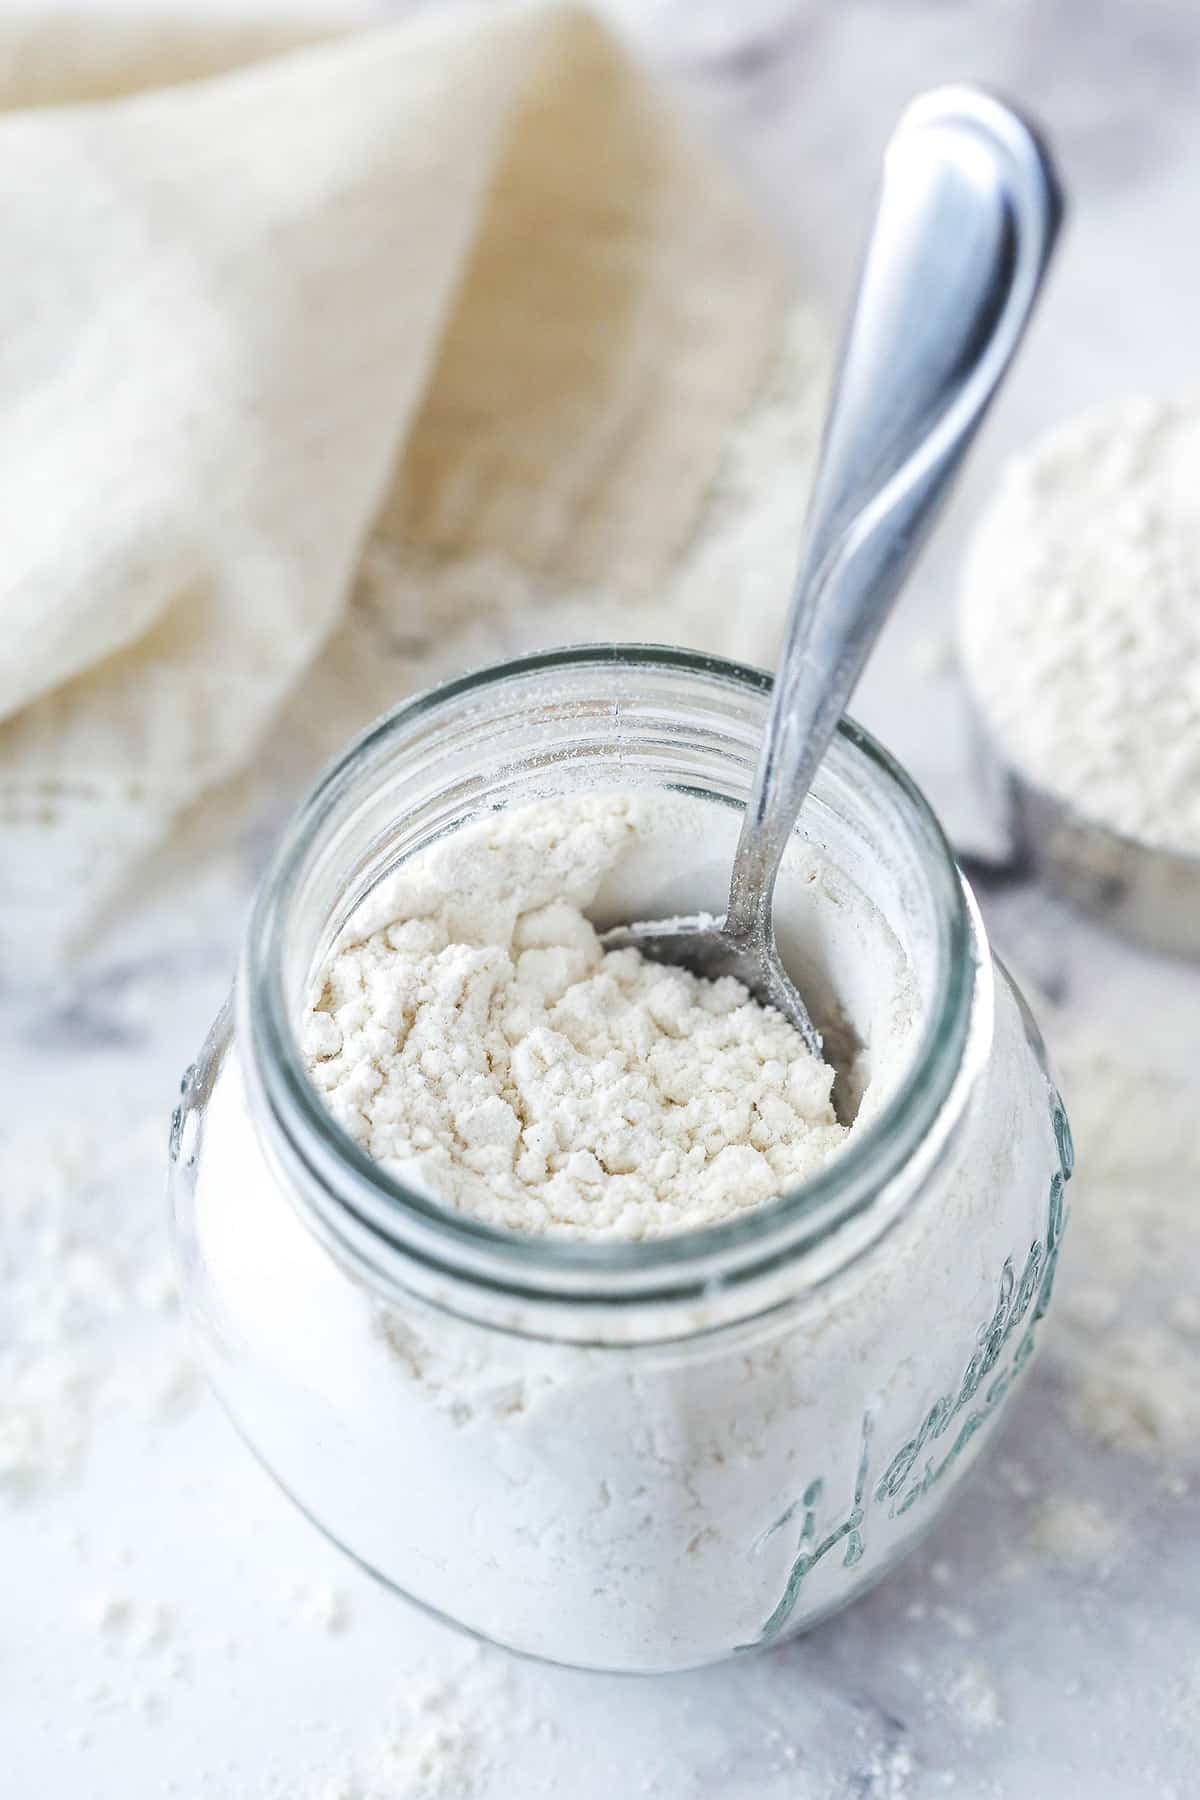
point(1071, 1530)
point(87, 1324)
point(1127, 1336)
point(972, 1695)
point(451, 1732)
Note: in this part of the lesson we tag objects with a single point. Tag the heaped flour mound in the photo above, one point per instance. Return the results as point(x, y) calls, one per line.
point(476, 1039)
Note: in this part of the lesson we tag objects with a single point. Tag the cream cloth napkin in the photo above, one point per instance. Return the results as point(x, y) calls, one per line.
point(457, 293)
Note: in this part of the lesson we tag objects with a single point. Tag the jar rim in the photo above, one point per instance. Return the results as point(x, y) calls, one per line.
point(385, 1212)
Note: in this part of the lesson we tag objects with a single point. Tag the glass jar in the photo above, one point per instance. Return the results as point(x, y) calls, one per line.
point(629, 1456)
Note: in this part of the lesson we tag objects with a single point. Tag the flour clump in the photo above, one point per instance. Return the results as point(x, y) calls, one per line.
point(473, 1036)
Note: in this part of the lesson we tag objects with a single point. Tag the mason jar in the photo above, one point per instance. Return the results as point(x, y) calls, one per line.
point(633, 1456)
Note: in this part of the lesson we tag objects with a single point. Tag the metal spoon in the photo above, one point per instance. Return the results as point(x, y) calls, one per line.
point(966, 220)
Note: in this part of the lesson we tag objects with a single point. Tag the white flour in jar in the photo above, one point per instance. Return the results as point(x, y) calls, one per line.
point(647, 1504)
point(1080, 619)
point(481, 1044)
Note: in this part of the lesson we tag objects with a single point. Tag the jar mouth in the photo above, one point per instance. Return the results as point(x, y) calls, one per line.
point(359, 1206)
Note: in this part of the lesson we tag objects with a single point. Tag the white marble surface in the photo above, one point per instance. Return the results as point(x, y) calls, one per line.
point(1004, 1659)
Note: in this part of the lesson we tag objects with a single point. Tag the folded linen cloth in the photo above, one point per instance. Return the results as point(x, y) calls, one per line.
point(458, 293)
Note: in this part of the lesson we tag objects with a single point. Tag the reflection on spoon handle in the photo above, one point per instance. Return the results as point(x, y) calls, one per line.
point(967, 217)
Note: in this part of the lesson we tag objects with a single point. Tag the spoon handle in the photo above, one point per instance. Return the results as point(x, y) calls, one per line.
point(967, 216)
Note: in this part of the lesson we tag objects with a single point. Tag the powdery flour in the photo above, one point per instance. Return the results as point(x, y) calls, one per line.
point(1127, 1342)
point(87, 1294)
point(451, 1733)
point(484, 1046)
point(1080, 619)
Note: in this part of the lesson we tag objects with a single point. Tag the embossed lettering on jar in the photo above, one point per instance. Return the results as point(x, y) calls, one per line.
point(632, 1455)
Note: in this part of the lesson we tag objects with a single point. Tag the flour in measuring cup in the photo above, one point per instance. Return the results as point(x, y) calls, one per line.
point(1080, 619)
